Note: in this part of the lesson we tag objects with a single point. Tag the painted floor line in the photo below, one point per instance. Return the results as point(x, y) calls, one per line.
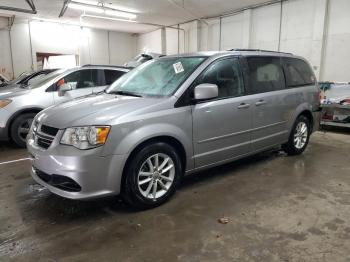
point(14, 161)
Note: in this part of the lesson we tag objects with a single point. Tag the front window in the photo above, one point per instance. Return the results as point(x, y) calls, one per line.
point(157, 77)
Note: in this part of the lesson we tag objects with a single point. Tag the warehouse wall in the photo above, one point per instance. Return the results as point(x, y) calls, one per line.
point(91, 45)
point(337, 47)
point(151, 42)
point(5, 56)
point(299, 27)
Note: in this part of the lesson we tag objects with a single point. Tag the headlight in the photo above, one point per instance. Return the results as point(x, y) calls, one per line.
point(4, 102)
point(85, 137)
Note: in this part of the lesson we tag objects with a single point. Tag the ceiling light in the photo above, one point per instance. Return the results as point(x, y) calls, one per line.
point(109, 18)
point(120, 14)
point(88, 2)
point(86, 8)
point(122, 8)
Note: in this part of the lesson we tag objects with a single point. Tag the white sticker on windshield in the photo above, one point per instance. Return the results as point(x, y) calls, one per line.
point(178, 68)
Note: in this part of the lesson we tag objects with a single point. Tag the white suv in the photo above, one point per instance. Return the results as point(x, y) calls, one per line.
point(19, 105)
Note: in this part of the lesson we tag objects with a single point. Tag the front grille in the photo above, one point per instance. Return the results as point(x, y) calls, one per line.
point(52, 131)
point(44, 135)
point(59, 181)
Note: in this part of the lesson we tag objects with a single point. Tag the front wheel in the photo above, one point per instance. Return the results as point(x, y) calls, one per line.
point(20, 128)
point(152, 176)
point(299, 137)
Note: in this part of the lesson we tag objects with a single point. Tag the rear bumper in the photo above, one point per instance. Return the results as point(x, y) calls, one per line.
point(316, 120)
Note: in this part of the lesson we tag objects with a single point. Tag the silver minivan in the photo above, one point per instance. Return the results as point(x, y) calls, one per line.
point(174, 116)
point(20, 103)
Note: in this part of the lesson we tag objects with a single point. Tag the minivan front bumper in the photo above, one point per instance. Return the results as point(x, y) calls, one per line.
point(76, 174)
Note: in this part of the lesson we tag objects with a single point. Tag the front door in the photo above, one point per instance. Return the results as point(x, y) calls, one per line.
point(221, 127)
point(82, 83)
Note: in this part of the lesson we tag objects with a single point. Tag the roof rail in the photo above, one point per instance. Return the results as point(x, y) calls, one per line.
point(112, 66)
point(258, 50)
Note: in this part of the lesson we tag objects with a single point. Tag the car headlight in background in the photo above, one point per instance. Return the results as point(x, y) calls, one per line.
point(4, 102)
point(85, 137)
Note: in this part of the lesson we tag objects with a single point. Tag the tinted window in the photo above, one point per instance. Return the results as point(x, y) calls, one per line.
point(112, 75)
point(226, 74)
point(265, 74)
point(298, 72)
point(82, 79)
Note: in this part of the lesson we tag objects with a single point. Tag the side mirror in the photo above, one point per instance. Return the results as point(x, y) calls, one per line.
point(62, 89)
point(205, 92)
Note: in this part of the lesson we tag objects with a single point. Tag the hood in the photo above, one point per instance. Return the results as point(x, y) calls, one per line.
point(12, 90)
point(95, 110)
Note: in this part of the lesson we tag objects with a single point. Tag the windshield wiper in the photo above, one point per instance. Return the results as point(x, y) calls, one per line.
point(125, 93)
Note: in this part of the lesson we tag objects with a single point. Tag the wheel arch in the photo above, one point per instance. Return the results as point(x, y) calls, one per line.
point(34, 110)
point(308, 115)
point(172, 141)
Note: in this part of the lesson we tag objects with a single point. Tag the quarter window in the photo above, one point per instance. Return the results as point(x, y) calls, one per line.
point(265, 74)
point(298, 73)
point(112, 75)
point(226, 74)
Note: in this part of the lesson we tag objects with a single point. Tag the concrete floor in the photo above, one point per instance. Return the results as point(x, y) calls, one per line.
point(279, 209)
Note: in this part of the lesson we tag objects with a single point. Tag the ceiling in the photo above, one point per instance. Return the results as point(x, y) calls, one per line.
point(161, 12)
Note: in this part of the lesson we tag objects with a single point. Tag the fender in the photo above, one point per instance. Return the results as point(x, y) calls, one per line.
point(142, 134)
point(304, 107)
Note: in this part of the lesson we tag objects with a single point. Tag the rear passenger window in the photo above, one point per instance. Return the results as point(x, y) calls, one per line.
point(298, 73)
point(112, 75)
point(265, 74)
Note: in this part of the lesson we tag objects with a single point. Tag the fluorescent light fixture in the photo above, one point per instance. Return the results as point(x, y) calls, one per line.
point(56, 21)
point(109, 18)
point(87, 2)
point(120, 14)
point(86, 8)
point(83, 5)
point(122, 8)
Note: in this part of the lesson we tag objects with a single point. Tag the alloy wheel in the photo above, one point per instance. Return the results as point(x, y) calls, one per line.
point(156, 176)
point(300, 135)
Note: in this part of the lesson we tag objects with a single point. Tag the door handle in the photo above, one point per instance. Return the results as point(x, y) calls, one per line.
point(243, 105)
point(260, 103)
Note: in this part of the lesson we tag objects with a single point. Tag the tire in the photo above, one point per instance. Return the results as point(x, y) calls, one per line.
point(20, 128)
point(139, 183)
point(298, 139)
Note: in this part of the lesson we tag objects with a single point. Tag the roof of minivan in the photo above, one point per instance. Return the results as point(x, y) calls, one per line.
point(243, 52)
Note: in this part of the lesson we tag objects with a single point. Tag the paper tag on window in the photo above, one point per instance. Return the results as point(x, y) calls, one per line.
point(178, 68)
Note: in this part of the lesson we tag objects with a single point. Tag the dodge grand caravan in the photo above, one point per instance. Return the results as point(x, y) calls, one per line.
point(20, 103)
point(173, 116)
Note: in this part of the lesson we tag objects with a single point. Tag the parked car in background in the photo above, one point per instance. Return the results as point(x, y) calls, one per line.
point(3, 80)
point(27, 78)
point(20, 103)
point(173, 116)
point(142, 58)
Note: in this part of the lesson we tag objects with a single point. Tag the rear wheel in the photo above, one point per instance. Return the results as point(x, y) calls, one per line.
point(20, 128)
point(299, 137)
point(152, 176)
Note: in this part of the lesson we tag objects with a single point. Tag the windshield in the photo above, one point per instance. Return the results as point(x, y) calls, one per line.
point(157, 77)
point(42, 80)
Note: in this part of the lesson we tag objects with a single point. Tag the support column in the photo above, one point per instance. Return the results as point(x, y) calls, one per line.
point(247, 26)
point(319, 37)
